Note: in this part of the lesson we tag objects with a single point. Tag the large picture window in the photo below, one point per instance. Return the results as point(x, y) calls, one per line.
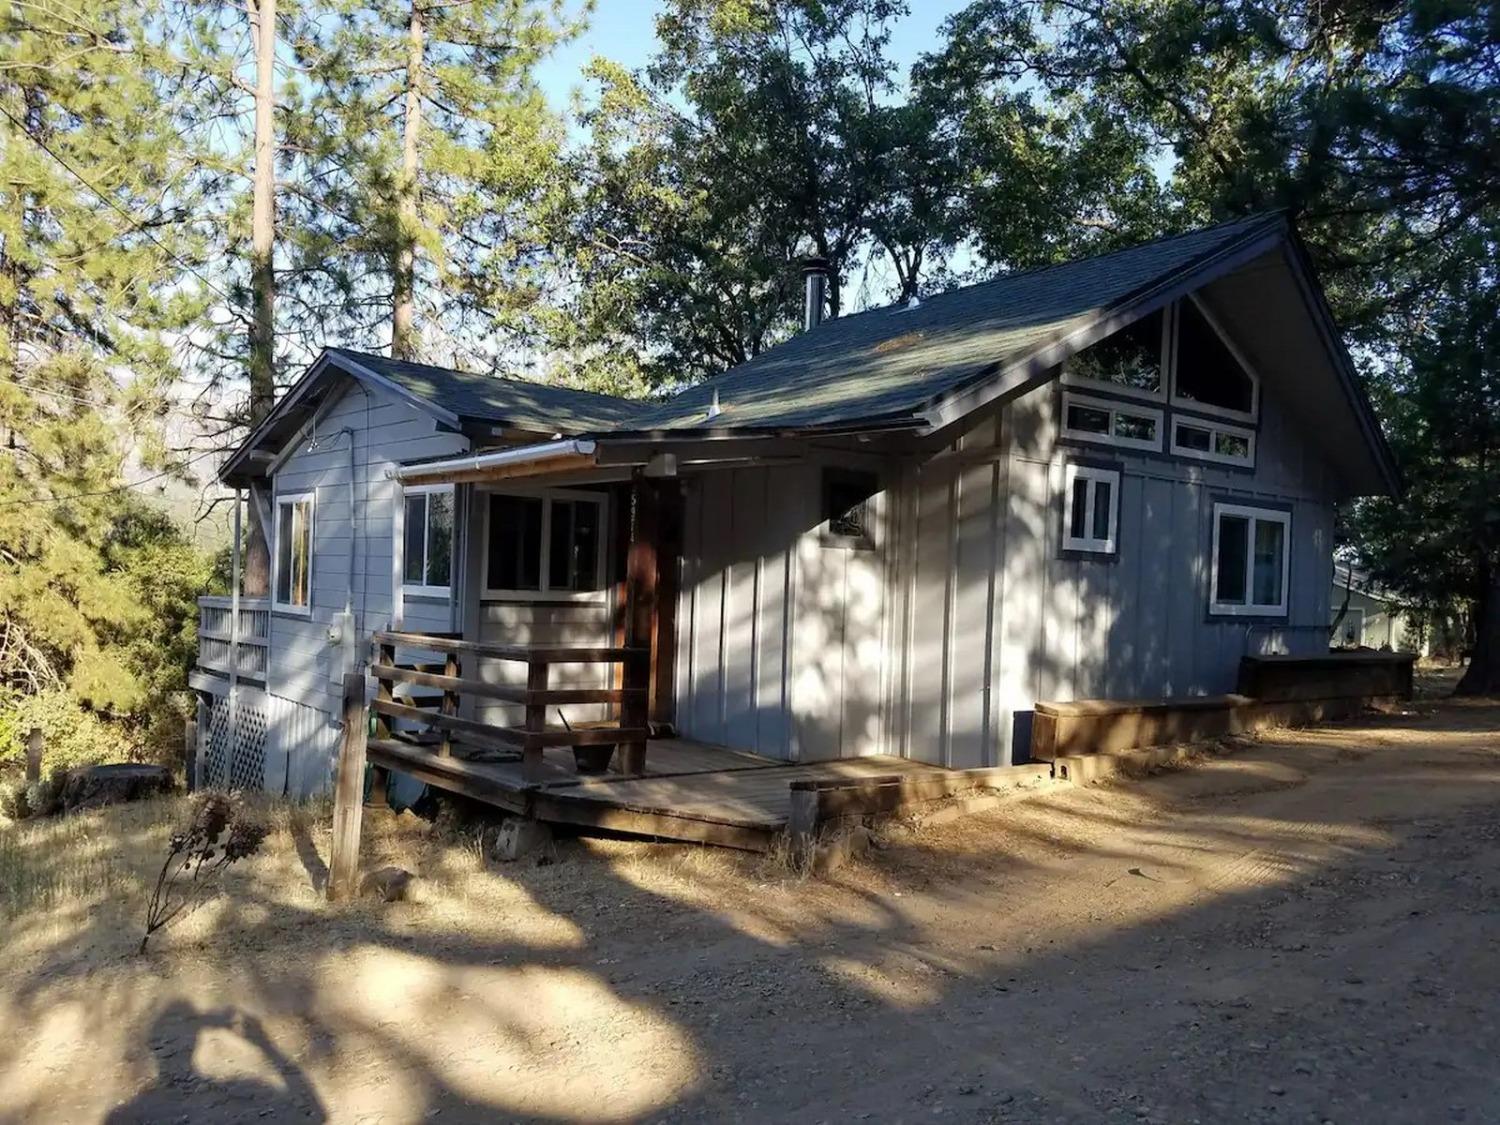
point(545, 543)
point(1251, 561)
point(1130, 362)
point(293, 589)
point(1091, 519)
point(427, 540)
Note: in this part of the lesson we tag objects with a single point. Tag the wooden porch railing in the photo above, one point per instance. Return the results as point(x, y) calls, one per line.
point(216, 638)
point(444, 725)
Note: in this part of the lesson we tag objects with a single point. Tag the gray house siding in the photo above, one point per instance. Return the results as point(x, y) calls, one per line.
point(937, 643)
point(304, 668)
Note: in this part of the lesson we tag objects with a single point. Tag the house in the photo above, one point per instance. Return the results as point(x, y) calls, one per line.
point(891, 535)
point(1365, 616)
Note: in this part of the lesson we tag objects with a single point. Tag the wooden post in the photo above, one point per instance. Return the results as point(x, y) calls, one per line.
point(450, 701)
point(640, 615)
point(34, 754)
point(190, 754)
point(532, 754)
point(349, 792)
point(386, 655)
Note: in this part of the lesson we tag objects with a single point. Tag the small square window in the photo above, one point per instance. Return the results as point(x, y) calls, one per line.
point(1092, 516)
point(846, 507)
point(1250, 561)
point(551, 544)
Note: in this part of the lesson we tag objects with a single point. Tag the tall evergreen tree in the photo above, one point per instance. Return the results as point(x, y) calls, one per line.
point(426, 141)
point(94, 238)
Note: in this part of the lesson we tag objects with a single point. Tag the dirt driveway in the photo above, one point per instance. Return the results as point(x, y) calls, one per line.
point(1306, 930)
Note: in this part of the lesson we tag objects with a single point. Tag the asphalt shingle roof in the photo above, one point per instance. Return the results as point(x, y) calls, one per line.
point(885, 363)
point(490, 398)
point(892, 361)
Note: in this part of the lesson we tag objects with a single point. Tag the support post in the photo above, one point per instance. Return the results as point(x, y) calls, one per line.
point(349, 793)
point(34, 754)
point(190, 754)
point(452, 669)
point(532, 754)
point(640, 616)
point(234, 644)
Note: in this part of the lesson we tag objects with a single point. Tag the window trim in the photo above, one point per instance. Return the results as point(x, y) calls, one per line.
point(1087, 545)
point(421, 589)
point(290, 499)
point(1168, 335)
point(1254, 515)
point(1192, 404)
point(1214, 428)
point(1157, 416)
point(546, 594)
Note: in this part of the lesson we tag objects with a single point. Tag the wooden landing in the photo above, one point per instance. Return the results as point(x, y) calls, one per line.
point(690, 791)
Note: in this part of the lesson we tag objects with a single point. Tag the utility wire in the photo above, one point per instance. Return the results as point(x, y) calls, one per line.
point(110, 491)
point(137, 225)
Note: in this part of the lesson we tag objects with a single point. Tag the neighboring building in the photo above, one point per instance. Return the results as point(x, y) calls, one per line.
point(892, 534)
point(1373, 619)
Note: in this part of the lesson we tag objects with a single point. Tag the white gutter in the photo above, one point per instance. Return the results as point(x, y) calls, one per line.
point(480, 462)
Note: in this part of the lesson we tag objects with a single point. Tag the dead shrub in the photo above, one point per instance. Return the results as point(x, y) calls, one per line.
point(219, 835)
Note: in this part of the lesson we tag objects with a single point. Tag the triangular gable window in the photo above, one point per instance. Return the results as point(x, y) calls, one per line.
point(1209, 375)
point(1128, 362)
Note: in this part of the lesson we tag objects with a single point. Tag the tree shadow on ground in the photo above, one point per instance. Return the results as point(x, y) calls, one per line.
point(1017, 968)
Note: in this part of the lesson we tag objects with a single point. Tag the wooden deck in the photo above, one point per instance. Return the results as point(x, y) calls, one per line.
point(690, 791)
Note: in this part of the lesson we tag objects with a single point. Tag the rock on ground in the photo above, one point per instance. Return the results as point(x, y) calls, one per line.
point(94, 787)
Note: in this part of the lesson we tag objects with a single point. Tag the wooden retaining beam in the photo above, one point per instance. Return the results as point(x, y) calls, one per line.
point(817, 804)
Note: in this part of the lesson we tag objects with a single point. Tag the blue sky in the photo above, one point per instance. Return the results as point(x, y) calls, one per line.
point(625, 31)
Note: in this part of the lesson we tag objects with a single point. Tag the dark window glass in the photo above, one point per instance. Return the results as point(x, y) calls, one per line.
point(1088, 420)
point(1078, 521)
point(1134, 427)
point(1207, 371)
point(439, 538)
point(846, 508)
point(1234, 537)
point(1270, 546)
point(573, 555)
point(1129, 358)
point(1193, 437)
point(515, 543)
point(1103, 490)
point(415, 533)
point(1231, 445)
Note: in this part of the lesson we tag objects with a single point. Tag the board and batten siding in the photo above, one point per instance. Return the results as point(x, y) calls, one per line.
point(937, 644)
point(385, 430)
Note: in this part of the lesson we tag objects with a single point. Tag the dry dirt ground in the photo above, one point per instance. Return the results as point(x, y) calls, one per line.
point(1305, 929)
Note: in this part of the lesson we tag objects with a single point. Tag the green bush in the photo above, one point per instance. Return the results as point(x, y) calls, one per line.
point(72, 735)
point(13, 803)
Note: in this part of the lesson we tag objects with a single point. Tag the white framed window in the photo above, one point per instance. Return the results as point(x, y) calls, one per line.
point(1132, 361)
point(1206, 440)
point(292, 589)
point(1209, 374)
point(1105, 422)
point(1251, 561)
point(1091, 518)
point(427, 540)
point(544, 544)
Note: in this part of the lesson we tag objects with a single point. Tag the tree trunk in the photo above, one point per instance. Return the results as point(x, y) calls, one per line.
point(403, 264)
point(1483, 675)
point(262, 14)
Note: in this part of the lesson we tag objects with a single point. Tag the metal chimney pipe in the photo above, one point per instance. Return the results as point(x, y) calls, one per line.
point(815, 292)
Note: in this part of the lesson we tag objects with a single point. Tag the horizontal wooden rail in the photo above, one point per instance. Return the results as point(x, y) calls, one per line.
point(516, 736)
point(522, 654)
point(502, 692)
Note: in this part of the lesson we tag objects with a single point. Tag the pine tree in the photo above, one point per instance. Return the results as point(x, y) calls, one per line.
point(94, 235)
point(426, 140)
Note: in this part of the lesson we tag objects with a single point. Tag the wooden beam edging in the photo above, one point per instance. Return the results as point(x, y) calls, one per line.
point(817, 802)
